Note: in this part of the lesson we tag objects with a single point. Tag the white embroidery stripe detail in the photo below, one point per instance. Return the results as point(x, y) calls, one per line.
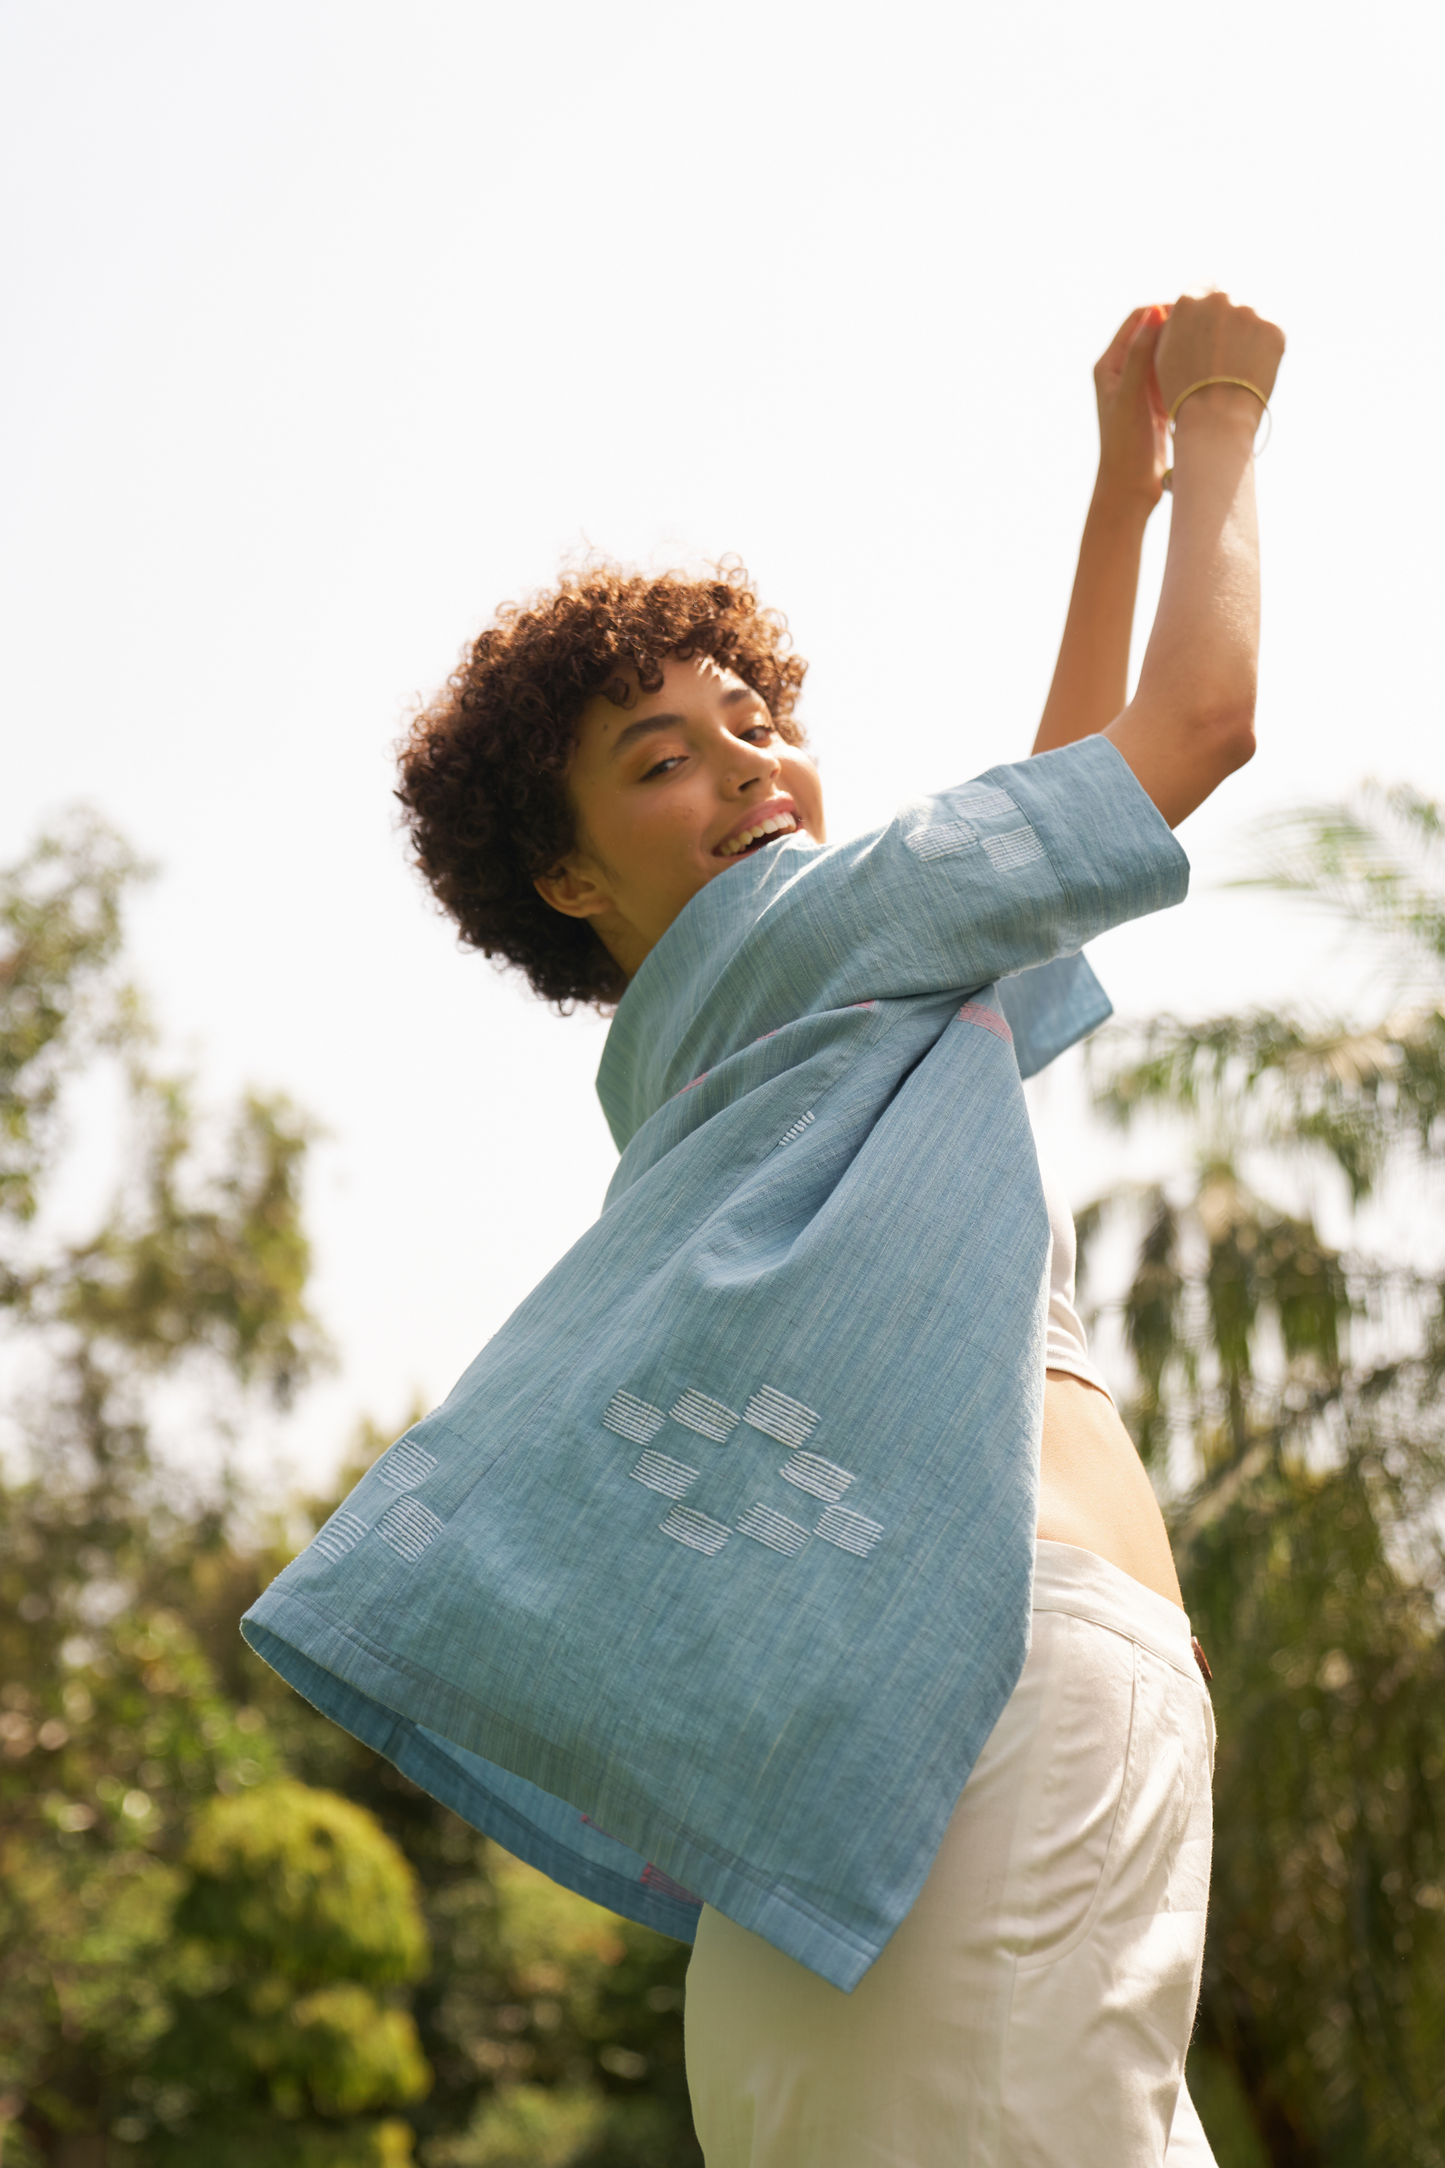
point(983, 799)
point(634, 1419)
point(695, 1530)
point(409, 1527)
point(778, 1417)
point(822, 1478)
point(341, 1534)
point(674, 1477)
point(1020, 847)
point(945, 840)
point(849, 1531)
point(790, 1136)
point(775, 1529)
point(406, 1465)
point(709, 1418)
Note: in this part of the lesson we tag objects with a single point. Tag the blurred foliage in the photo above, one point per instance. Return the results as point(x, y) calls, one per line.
point(297, 1907)
point(1288, 1401)
point(63, 1001)
point(228, 1932)
point(304, 1885)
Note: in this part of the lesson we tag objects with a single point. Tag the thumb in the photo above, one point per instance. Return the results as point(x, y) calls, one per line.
point(1140, 381)
point(1139, 361)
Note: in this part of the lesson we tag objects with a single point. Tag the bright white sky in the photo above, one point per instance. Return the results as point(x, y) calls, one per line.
point(333, 325)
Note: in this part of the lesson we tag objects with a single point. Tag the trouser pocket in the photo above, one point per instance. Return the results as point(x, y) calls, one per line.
point(1071, 1810)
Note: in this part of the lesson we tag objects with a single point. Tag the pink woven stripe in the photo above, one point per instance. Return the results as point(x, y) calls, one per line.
point(974, 1012)
point(654, 1878)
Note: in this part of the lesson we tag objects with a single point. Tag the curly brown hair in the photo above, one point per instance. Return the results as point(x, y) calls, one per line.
point(484, 765)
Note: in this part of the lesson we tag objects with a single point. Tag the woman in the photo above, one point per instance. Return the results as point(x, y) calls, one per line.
point(894, 1708)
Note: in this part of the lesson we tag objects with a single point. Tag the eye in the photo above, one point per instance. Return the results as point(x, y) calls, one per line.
point(757, 731)
point(664, 767)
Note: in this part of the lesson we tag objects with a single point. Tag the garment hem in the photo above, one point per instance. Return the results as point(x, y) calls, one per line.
point(279, 1623)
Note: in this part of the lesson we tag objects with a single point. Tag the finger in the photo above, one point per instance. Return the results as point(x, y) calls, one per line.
point(1139, 384)
point(1146, 333)
point(1139, 362)
point(1113, 354)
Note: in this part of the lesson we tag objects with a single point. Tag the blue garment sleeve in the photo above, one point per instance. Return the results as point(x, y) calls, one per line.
point(1023, 865)
point(1050, 1008)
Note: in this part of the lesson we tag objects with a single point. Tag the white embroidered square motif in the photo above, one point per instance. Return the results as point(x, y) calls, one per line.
point(1020, 847)
point(341, 1534)
point(775, 1529)
point(850, 1531)
point(709, 1418)
point(778, 1417)
point(823, 1478)
point(659, 1473)
point(409, 1527)
point(634, 1419)
point(944, 840)
point(695, 1530)
point(982, 799)
point(406, 1465)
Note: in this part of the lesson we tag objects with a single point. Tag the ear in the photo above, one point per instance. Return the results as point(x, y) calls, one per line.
point(572, 892)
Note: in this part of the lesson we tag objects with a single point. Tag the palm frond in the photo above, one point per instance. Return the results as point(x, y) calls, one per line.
point(1287, 1083)
point(1376, 860)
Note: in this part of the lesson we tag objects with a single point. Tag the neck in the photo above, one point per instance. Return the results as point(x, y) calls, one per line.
point(624, 943)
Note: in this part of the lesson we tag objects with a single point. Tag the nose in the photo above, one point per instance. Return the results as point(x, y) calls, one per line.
point(749, 769)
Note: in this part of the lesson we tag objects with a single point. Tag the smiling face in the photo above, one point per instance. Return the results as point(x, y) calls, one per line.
point(670, 791)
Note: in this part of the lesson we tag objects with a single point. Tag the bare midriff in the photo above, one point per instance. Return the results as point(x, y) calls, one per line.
point(1093, 1491)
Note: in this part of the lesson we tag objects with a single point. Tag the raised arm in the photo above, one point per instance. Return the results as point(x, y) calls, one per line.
point(1191, 721)
point(1091, 680)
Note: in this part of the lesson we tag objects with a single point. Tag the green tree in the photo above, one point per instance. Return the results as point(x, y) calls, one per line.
point(116, 1732)
point(1289, 1406)
point(297, 1910)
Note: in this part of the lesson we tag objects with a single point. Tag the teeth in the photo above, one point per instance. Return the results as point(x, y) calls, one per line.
point(769, 827)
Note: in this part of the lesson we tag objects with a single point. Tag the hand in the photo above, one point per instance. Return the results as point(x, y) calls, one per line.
point(1208, 335)
point(1133, 427)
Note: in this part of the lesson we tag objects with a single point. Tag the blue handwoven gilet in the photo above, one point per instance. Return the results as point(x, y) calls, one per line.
point(710, 1578)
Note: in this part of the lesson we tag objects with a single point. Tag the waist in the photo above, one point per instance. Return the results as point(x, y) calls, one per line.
point(1093, 1488)
point(1084, 1585)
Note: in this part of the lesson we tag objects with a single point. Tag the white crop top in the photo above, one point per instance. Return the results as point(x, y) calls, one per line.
point(1068, 1348)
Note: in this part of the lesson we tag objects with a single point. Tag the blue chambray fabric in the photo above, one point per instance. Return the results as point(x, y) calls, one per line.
point(712, 1575)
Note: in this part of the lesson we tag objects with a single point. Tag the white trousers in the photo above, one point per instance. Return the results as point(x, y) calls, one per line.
point(1034, 2008)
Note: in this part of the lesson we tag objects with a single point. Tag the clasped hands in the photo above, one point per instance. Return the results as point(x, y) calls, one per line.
point(1156, 354)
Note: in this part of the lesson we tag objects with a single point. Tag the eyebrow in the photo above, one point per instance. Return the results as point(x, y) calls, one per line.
point(647, 725)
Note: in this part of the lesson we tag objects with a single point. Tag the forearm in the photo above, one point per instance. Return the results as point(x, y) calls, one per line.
point(1203, 652)
point(1191, 720)
point(1091, 678)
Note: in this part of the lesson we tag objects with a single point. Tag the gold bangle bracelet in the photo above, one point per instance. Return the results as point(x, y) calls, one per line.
point(1203, 385)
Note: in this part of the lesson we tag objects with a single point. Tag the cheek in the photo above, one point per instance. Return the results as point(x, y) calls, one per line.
point(803, 782)
point(651, 842)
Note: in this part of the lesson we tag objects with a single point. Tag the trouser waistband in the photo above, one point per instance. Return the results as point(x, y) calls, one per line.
point(1086, 1586)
